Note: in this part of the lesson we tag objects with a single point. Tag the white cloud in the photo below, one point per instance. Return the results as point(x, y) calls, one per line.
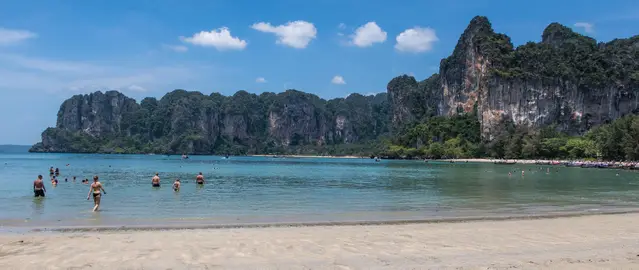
point(338, 80)
point(416, 40)
point(176, 48)
point(14, 36)
point(136, 88)
point(587, 27)
point(368, 34)
point(297, 34)
point(341, 26)
point(260, 80)
point(49, 75)
point(220, 38)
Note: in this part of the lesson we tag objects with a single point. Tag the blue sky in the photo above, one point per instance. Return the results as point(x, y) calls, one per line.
point(50, 50)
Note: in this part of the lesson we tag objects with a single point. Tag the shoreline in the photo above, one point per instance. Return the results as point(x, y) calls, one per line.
point(302, 224)
point(492, 160)
point(307, 156)
point(586, 242)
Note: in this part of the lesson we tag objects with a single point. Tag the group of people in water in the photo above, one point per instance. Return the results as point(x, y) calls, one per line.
point(96, 188)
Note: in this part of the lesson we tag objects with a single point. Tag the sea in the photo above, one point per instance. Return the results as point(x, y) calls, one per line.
point(265, 190)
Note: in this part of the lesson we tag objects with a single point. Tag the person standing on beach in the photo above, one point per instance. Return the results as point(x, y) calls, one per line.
point(38, 187)
point(95, 188)
point(199, 179)
point(155, 181)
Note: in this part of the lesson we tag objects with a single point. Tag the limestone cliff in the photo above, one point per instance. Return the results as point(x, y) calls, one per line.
point(192, 122)
point(567, 80)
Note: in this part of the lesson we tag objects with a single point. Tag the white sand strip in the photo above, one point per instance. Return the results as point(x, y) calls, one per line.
point(591, 242)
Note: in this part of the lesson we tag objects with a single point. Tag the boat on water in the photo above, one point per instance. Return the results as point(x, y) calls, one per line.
point(573, 164)
point(505, 162)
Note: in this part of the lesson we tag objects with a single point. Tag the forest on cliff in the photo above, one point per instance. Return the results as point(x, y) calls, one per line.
point(564, 97)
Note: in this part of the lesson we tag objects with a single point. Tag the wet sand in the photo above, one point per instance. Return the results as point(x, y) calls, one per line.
point(588, 242)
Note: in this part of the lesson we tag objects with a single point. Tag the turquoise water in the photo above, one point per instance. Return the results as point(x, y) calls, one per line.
point(263, 189)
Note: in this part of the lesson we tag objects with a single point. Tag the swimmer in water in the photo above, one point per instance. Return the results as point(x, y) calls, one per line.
point(155, 181)
point(51, 171)
point(95, 189)
point(522, 172)
point(510, 174)
point(38, 187)
point(199, 179)
point(176, 185)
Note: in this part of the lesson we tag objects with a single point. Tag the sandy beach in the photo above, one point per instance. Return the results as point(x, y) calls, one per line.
point(489, 160)
point(589, 242)
point(308, 156)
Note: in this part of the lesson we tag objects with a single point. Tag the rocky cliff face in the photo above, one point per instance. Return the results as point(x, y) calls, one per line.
point(192, 122)
point(566, 80)
point(98, 114)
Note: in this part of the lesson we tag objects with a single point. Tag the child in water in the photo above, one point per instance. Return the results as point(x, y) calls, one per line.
point(176, 185)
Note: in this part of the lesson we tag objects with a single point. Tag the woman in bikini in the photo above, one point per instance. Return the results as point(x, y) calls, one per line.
point(95, 189)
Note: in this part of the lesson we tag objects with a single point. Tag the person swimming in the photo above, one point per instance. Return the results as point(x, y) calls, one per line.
point(54, 181)
point(199, 179)
point(57, 171)
point(176, 185)
point(95, 189)
point(155, 181)
point(38, 187)
point(51, 171)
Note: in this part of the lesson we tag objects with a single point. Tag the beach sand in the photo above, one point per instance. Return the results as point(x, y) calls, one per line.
point(590, 242)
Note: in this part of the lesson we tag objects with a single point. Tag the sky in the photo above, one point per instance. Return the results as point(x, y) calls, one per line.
point(51, 50)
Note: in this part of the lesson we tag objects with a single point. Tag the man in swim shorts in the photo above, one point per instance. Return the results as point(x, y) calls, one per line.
point(176, 185)
point(38, 187)
point(95, 189)
point(199, 179)
point(155, 182)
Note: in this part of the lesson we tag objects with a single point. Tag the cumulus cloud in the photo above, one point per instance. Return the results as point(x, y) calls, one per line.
point(14, 36)
point(219, 38)
point(587, 27)
point(368, 34)
point(297, 34)
point(176, 48)
point(338, 80)
point(416, 40)
point(260, 80)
